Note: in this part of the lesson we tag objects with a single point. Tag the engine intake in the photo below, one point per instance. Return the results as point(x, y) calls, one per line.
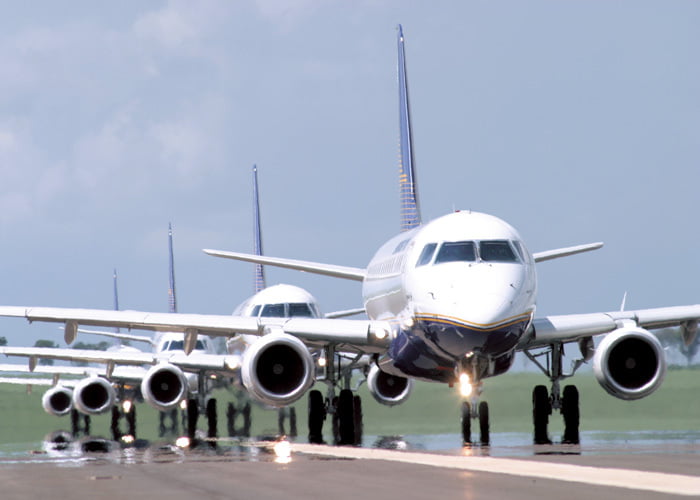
point(164, 386)
point(630, 363)
point(388, 389)
point(277, 369)
point(93, 396)
point(57, 401)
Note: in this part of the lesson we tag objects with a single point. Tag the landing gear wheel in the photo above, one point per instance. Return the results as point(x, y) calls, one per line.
point(359, 426)
point(131, 421)
point(192, 416)
point(114, 426)
point(346, 418)
point(292, 422)
point(570, 411)
point(212, 420)
point(541, 409)
point(281, 417)
point(317, 414)
point(484, 423)
point(231, 419)
point(247, 419)
point(466, 424)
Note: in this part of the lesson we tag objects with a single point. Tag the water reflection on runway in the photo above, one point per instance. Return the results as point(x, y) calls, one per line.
point(60, 448)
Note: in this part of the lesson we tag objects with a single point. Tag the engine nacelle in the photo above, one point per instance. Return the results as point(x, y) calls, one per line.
point(388, 389)
point(277, 369)
point(164, 386)
point(57, 401)
point(93, 396)
point(630, 363)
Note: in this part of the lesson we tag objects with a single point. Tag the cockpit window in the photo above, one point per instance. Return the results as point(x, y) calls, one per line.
point(496, 251)
point(301, 309)
point(273, 311)
point(179, 345)
point(456, 251)
point(255, 311)
point(426, 255)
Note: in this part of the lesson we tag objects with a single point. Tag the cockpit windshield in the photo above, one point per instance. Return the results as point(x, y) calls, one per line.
point(179, 345)
point(470, 251)
point(456, 251)
point(287, 310)
point(496, 251)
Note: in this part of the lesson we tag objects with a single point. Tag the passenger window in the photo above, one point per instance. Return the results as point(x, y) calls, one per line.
point(496, 251)
point(459, 251)
point(273, 311)
point(426, 255)
point(301, 309)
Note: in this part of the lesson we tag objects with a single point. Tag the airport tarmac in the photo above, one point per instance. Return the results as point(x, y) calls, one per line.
point(667, 466)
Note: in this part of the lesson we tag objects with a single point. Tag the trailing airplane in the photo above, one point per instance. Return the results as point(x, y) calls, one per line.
point(451, 301)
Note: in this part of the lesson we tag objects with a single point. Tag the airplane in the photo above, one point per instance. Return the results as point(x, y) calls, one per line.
point(451, 301)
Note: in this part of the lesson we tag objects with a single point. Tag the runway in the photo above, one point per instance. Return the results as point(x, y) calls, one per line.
point(667, 466)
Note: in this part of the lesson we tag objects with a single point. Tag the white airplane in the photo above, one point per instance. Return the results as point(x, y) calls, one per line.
point(448, 301)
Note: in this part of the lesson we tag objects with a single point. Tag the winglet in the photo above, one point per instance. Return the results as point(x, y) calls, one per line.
point(172, 299)
point(259, 271)
point(410, 211)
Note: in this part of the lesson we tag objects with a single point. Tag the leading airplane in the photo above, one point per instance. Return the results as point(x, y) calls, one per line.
point(451, 301)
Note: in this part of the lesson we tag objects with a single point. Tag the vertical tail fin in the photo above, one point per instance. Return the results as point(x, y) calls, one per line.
point(116, 295)
point(410, 211)
point(172, 299)
point(259, 271)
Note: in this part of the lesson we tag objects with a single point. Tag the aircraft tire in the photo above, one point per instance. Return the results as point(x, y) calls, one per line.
point(317, 414)
point(541, 409)
point(346, 418)
point(358, 424)
point(466, 424)
point(292, 422)
point(192, 416)
point(114, 425)
point(570, 411)
point(131, 421)
point(212, 419)
point(484, 426)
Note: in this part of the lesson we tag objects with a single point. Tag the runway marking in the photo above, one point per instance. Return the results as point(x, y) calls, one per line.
point(675, 484)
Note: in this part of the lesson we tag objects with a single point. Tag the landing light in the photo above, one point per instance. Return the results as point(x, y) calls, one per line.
point(183, 404)
point(465, 386)
point(126, 406)
point(322, 362)
point(182, 442)
point(283, 452)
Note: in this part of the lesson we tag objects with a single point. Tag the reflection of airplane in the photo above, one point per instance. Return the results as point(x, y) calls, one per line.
point(449, 301)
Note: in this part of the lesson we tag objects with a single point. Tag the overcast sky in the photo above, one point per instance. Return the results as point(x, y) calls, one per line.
point(574, 121)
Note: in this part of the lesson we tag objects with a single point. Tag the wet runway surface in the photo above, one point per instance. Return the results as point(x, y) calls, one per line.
point(629, 465)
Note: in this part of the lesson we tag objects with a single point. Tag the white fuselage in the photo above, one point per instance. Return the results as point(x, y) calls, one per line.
point(463, 284)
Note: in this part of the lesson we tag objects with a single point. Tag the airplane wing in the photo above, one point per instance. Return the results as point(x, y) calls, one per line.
point(365, 335)
point(193, 362)
point(570, 327)
point(565, 252)
point(351, 273)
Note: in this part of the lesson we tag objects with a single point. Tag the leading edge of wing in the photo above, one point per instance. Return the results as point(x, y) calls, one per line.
point(565, 252)
point(350, 273)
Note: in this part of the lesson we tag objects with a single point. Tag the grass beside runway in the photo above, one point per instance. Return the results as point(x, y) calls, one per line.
point(432, 409)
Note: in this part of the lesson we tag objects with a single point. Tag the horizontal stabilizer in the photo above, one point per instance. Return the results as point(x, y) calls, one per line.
point(565, 252)
point(350, 273)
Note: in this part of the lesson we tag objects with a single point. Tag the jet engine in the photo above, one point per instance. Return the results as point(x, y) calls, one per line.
point(164, 386)
point(630, 363)
point(388, 389)
point(57, 401)
point(93, 395)
point(277, 369)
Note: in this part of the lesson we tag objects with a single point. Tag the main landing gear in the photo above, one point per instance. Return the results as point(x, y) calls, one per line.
point(126, 410)
point(345, 409)
point(566, 402)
